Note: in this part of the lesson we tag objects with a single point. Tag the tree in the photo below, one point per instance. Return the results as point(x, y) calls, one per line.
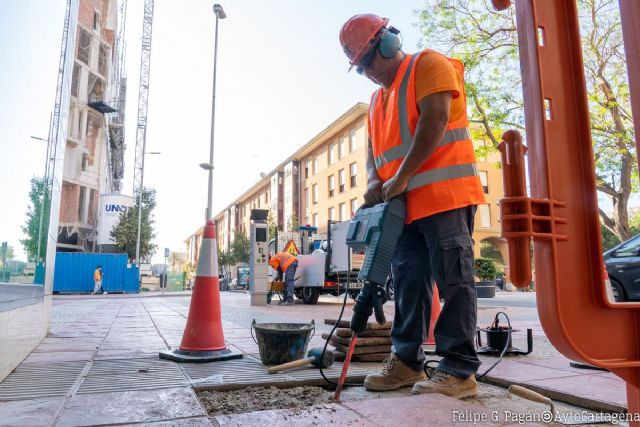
point(126, 232)
point(293, 223)
point(486, 42)
point(240, 247)
point(176, 259)
point(272, 226)
point(36, 196)
point(224, 260)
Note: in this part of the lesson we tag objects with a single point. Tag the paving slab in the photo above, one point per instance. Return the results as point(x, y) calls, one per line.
point(130, 407)
point(182, 422)
point(32, 413)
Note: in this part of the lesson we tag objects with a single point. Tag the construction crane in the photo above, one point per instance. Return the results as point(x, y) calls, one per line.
point(143, 99)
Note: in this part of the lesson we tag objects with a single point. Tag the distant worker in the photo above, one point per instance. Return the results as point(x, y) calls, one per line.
point(420, 145)
point(285, 263)
point(97, 281)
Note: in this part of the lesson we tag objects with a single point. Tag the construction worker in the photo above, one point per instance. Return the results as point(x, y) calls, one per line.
point(419, 144)
point(285, 263)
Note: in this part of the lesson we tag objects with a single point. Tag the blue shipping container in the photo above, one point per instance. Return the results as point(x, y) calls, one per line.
point(74, 273)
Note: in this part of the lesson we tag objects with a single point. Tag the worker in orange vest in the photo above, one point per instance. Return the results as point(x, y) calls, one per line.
point(285, 263)
point(419, 144)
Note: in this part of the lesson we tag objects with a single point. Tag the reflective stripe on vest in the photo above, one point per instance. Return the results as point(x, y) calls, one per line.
point(373, 104)
point(442, 174)
point(399, 151)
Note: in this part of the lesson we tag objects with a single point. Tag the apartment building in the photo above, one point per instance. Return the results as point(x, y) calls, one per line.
point(326, 179)
point(88, 167)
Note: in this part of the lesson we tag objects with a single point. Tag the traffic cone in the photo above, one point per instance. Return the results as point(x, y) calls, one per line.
point(435, 313)
point(203, 339)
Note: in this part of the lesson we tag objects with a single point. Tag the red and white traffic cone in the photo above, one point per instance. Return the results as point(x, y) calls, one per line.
point(435, 313)
point(203, 338)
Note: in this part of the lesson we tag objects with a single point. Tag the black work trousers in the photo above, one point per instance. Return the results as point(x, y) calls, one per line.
point(436, 248)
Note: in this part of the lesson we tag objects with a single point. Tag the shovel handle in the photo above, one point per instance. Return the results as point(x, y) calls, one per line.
point(531, 395)
point(290, 365)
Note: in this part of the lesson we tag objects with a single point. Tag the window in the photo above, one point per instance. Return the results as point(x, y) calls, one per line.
point(315, 193)
point(484, 182)
point(331, 158)
point(331, 209)
point(307, 166)
point(628, 249)
point(85, 160)
point(354, 206)
point(342, 211)
point(84, 46)
point(306, 220)
point(485, 215)
point(341, 147)
point(331, 186)
point(103, 59)
point(315, 165)
point(315, 220)
point(95, 88)
point(341, 179)
point(266, 198)
point(258, 202)
point(75, 80)
point(81, 198)
point(92, 206)
point(353, 143)
point(96, 21)
point(306, 196)
point(353, 174)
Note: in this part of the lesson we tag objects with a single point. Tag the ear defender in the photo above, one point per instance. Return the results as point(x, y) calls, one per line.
point(390, 43)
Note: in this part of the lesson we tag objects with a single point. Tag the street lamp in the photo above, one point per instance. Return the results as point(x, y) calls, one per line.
point(45, 191)
point(219, 12)
point(140, 207)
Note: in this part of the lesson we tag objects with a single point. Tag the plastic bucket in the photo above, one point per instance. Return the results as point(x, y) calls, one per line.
point(280, 343)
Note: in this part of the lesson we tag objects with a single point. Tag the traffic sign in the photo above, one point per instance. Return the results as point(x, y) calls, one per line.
point(166, 252)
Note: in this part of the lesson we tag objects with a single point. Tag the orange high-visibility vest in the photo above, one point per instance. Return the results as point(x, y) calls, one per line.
point(282, 260)
point(448, 179)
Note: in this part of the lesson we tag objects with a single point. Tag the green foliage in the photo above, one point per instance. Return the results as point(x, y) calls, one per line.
point(609, 239)
point(240, 247)
point(273, 227)
point(293, 223)
point(126, 232)
point(485, 269)
point(486, 42)
point(225, 260)
point(36, 196)
point(489, 250)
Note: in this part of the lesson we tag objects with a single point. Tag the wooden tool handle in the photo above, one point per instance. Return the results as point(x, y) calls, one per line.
point(531, 395)
point(290, 365)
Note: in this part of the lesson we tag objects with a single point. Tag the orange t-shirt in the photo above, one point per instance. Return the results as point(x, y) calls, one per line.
point(434, 73)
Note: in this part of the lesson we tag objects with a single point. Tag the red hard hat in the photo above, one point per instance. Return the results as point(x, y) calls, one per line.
point(358, 33)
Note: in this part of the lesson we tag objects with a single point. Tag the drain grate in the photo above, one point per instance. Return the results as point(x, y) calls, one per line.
point(233, 374)
point(36, 380)
point(133, 374)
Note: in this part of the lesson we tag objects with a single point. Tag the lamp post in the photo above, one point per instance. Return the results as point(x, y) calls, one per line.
point(140, 206)
point(45, 190)
point(219, 12)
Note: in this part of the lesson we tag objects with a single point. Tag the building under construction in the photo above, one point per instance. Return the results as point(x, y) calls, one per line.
point(94, 153)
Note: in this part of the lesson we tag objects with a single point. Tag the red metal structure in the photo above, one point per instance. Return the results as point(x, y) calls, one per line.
point(561, 215)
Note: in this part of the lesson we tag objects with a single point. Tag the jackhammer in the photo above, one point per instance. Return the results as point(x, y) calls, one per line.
point(376, 230)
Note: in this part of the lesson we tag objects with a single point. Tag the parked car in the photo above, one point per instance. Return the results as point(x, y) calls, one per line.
point(623, 266)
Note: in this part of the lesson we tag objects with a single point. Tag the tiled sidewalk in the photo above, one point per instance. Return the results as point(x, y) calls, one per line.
point(99, 366)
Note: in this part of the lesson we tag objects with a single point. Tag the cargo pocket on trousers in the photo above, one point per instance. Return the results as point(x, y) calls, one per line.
point(457, 260)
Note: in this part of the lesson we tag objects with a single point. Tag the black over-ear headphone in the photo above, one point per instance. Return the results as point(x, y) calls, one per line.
point(390, 42)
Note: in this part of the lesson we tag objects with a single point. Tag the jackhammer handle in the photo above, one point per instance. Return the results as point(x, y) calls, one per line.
point(531, 395)
point(290, 365)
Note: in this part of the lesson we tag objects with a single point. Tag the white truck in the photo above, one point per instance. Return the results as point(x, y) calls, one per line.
point(323, 263)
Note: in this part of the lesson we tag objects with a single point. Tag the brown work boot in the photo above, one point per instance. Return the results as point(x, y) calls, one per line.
point(395, 374)
point(447, 384)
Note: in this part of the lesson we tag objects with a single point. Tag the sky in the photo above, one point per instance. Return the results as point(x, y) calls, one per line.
point(281, 79)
